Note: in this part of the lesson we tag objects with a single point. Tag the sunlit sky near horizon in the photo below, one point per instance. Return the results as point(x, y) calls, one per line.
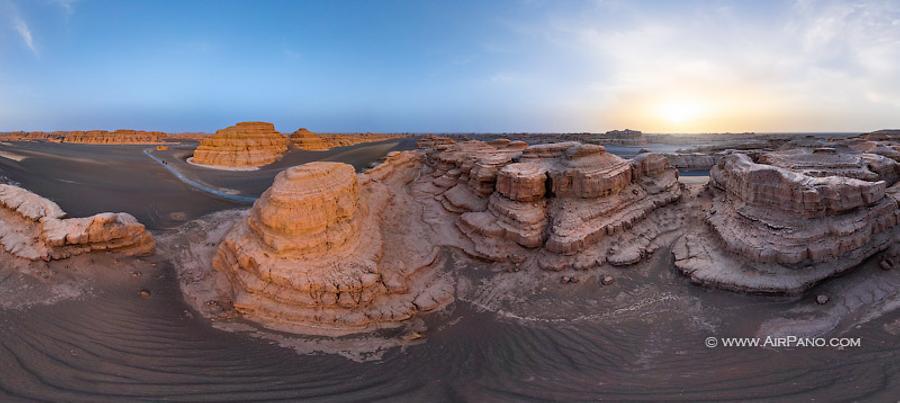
point(442, 66)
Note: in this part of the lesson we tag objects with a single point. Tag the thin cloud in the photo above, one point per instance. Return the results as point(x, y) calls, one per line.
point(68, 6)
point(24, 32)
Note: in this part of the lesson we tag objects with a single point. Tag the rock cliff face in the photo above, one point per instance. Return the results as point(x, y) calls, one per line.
point(325, 251)
point(565, 204)
point(34, 228)
point(789, 220)
point(114, 137)
point(307, 140)
point(244, 145)
point(693, 161)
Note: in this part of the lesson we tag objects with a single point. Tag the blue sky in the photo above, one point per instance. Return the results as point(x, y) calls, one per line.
point(671, 66)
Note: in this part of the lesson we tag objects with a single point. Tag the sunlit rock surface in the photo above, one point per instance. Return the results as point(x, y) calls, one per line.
point(244, 145)
point(307, 140)
point(35, 228)
point(113, 137)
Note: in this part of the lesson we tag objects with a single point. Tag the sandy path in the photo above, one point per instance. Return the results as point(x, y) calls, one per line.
point(198, 185)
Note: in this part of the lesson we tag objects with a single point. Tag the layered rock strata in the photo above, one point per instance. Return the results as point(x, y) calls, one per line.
point(307, 140)
point(325, 251)
point(783, 225)
point(114, 137)
point(244, 145)
point(35, 228)
point(564, 204)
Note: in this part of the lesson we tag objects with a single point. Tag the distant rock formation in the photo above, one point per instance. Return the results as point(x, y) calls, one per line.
point(244, 145)
point(623, 134)
point(790, 219)
point(122, 136)
point(34, 228)
point(113, 137)
point(625, 137)
point(693, 161)
point(884, 134)
point(307, 140)
point(569, 205)
point(325, 251)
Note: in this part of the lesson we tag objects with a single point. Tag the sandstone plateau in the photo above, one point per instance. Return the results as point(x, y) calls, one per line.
point(790, 219)
point(244, 145)
point(307, 140)
point(35, 228)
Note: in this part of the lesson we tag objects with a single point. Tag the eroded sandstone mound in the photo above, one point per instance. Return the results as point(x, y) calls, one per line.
point(789, 219)
point(35, 228)
point(326, 251)
point(307, 140)
point(244, 145)
point(568, 205)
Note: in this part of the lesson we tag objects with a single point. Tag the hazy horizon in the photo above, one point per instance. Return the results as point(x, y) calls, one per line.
point(464, 67)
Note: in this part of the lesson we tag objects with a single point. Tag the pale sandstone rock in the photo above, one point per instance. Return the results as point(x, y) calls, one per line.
point(34, 228)
point(245, 145)
point(772, 229)
point(315, 256)
point(560, 199)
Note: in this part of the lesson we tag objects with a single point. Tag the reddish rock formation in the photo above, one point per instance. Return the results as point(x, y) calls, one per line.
point(785, 225)
point(562, 203)
point(113, 137)
point(34, 228)
point(244, 145)
point(325, 251)
point(90, 136)
point(307, 140)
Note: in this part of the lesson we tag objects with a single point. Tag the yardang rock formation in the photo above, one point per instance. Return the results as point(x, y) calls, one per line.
point(570, 205)
point(325, 251)
point(244, 145)
point(34, 228)
point(307, 140)
point(790, 219)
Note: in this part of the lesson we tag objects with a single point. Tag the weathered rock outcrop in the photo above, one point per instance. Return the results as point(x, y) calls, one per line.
point(783, 225)
point(325, 251)
point(693, 161)
point(113, 137)
point(34, 228)
point(244, 145)
point(565, 204)
point(307, 140)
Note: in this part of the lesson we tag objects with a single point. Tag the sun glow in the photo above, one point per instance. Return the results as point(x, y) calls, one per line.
point(680, 111)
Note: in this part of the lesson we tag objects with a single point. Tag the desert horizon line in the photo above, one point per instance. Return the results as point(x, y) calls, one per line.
point(463, 132)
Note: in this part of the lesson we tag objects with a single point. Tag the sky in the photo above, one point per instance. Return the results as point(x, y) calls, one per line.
point(451, 66)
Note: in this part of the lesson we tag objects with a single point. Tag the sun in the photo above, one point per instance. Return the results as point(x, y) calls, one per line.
point(680, 111)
